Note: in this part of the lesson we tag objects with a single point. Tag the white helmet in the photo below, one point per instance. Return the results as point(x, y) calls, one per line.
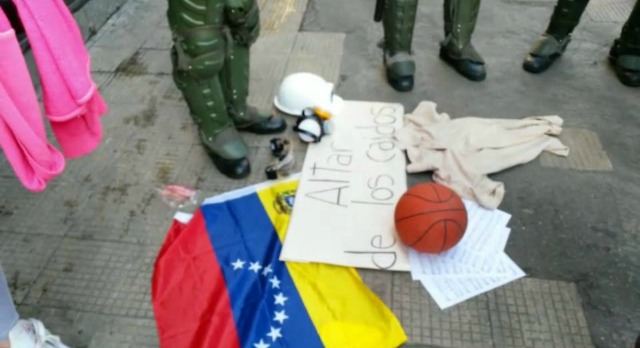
point(305, 90)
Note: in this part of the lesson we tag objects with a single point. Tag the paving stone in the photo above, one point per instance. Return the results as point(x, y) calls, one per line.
point(615, 11)
point(273, 43)
point(97, 12)
point(159, 39)
point(465, 325)
point(23, 257)
point(526, 313)
point(107, 59)
point(281, 15)
point(538, 313)
point(262, 92)
point(28, 213)
point(585, 152)
point(141, 89)
point(83, 329)
point(319, 53)
point(379, 282)
point(102, 79)
point(155, 61)
point(268, 66)
point(125, 30)
point(99, 277)
point(123, 183)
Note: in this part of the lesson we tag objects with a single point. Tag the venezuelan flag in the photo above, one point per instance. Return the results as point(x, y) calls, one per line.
point(218, 282)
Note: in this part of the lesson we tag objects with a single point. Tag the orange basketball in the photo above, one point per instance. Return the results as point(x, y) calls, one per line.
point(430, 218)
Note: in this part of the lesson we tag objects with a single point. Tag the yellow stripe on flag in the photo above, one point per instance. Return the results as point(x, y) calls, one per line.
point(345, 312)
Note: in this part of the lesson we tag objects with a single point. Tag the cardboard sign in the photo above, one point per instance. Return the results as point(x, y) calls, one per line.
point(349, 186)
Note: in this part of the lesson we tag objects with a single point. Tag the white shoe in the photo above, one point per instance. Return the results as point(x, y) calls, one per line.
point(31, 333)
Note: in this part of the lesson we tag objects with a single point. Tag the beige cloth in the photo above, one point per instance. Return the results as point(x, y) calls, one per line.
point(463, 151)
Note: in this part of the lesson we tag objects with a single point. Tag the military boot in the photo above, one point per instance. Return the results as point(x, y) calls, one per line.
point(198, 56)
point(243, 21)
point(625, 52)
point(552, 44)
point(460, 18)
point(398, 23)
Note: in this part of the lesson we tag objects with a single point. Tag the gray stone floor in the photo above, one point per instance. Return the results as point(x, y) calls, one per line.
point(79, 255)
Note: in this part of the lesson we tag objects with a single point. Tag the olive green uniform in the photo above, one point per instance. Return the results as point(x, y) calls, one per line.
point(399, 18)
point(624, 54)
point(210, 59)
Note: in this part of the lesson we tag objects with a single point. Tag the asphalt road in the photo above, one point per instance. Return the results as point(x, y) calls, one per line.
point(578, 226)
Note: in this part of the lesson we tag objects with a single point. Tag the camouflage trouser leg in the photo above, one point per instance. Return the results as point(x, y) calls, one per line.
point(630, 36)
point(243, 20)
point(200, 52)
point(460, 17)
point(565, 18)
point(398, 22)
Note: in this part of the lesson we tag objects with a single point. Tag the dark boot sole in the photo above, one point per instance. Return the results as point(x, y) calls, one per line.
point(227, 167)
point(456, 64)
point(542, 68)
point(399, 86)
point(629, 82)
point(259, 129)
point(262, 131)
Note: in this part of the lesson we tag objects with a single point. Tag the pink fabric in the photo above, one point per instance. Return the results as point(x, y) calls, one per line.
point(22, 133)
point(71, 99)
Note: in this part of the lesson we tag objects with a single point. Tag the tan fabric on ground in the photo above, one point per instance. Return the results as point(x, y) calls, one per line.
point(462, 152)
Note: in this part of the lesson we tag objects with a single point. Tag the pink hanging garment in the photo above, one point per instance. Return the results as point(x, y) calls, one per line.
point(22, 133)
point(71, 99)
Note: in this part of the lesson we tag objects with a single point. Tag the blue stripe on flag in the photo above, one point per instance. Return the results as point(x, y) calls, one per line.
point(267, 308)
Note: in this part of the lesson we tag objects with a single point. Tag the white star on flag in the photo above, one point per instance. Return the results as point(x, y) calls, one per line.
point(275, 282)
point(280, 299)
point(280, 317)
point(274, 334)
point(255, 266)
point(261, 344)
point(239, 264)
point(267, 270)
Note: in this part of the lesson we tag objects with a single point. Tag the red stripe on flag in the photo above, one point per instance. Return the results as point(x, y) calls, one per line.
point(190, 299)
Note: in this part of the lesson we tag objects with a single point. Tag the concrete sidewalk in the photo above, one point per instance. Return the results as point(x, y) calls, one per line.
point(79, 255)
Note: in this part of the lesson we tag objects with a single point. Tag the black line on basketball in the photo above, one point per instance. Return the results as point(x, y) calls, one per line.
point(422, 198)
point(451, 193)
point(433, 187)
point(444, 239)
point(426, 232)
point(428, 212)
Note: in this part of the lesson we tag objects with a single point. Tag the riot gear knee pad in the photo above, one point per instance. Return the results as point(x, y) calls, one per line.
point(243, 18)
point(200, 52)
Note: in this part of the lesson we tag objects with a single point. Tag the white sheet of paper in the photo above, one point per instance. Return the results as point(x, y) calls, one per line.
point(482, 222)
point(464, 261)
point(478, 251)
point(350, 183)
point(448, 291)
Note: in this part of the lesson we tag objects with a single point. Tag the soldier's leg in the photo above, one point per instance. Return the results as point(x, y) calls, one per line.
point(625, 53)
point(550, 46)
point(398, 23)
point(243, 19)
point(198, 56)
point(460, 18)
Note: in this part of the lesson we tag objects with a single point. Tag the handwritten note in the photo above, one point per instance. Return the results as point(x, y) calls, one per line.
point(448, 291)
point(475, 265)
point(350, 183)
